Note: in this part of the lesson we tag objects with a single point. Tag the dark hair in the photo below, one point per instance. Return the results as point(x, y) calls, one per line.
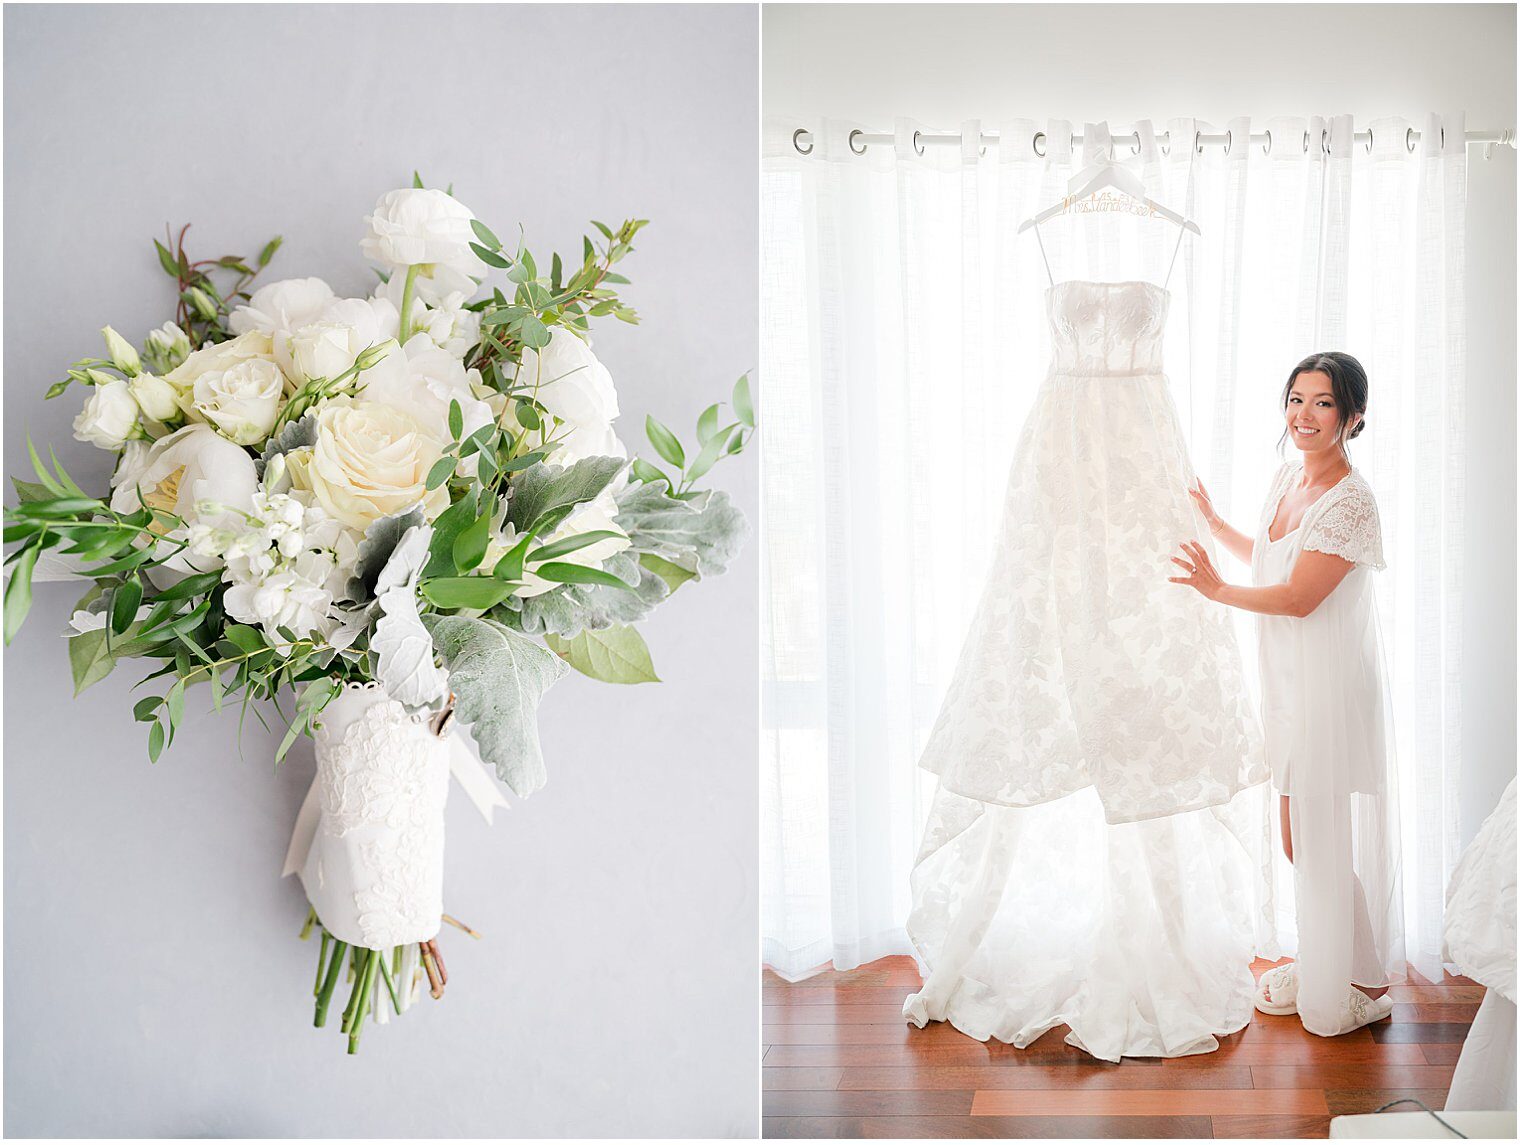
point(1348, 385)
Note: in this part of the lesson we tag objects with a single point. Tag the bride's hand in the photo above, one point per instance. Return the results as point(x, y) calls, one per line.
point(1201, 573)
point(1205, 504)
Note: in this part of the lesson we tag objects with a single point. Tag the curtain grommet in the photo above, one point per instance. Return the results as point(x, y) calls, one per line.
point(1229, 141)
point(1166, 146)
point(1039, 138)
point(1266, 148)
point(1198, 142)
point(1443, 138)
point(1369, 141)
point(918, 148)
point(1134, 147)
point(797, 141)
point(1324, 140)
point(1409, 140)
point(1306, 143)
point(861, 150)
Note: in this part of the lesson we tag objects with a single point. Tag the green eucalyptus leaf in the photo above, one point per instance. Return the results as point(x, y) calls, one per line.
point(18, 590)
point(665, 442)
point(744, 405)
point(483, 233)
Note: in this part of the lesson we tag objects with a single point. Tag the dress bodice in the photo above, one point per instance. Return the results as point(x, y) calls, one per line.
point(1106, 328)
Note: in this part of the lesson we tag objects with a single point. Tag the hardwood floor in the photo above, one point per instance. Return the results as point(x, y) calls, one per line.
point(840, 1061)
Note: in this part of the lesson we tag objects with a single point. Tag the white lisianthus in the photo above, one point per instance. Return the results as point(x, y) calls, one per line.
point(242, 401)
point(156, 397)
point(279, 310)
point(109, 416)
point(593, 516)
point(371, 461)
point(167, 347)
point(432, 379)
point(216, 357)
point(568, 381)
point(180, 473)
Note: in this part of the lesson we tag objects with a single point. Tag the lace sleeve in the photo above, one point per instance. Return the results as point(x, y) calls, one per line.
point(1350, 528)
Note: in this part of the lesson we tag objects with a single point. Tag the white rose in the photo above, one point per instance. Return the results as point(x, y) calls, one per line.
point(371, 461)
point(568, 381)
point(189, 467)
point(243, 401)
point(157, 398)
point(215, 358)
point(280, 309)
point(109, 416)
point(432, 379)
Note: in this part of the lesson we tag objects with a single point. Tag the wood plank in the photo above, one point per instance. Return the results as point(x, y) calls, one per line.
point(1439, 1053)
point(1327, 1050)
point(899, 1033)
point(842, 1103)
point(1287, 1028)
point(1269, 1127)
point(781, 1078)
point(971, 1053)
point(1420, 1033)
point(843, 1015)
point(870, 996)
point(1357, 1076)
point(987, 1128)
point(1450, 992)
point(1435, 1011)
point(1147, 1102)
point(1062, 1077)
point(1346, 1101)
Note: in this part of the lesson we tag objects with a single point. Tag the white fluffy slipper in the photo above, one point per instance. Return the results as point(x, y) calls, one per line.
point(1282, 983)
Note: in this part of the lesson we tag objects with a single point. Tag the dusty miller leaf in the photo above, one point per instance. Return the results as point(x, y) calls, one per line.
point(568, 609)
point(498, 677)
point(701, 535)
point(545, 488)
point(380, 541)
point(295, 435)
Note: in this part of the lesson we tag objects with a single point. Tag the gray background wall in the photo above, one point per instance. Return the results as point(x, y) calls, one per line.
point(153, 982)
point(945, 63)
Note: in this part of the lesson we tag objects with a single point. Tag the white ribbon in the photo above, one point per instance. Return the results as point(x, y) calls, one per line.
point(464, 764)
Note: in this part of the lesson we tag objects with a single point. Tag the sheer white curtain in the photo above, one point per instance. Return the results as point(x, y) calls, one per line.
point(903, 339)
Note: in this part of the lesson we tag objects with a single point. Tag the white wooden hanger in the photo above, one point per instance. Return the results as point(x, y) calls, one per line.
point(1099, 176)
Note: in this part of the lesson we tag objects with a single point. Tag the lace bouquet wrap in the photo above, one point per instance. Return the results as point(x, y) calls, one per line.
point(411, 513)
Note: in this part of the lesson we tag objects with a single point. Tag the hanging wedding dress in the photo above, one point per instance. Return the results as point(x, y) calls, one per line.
point(1093, 846)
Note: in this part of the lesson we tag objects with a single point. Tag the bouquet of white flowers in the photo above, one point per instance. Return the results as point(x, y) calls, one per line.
point(412, 511)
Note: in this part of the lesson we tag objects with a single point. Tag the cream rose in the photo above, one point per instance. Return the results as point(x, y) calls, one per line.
point(346, 328)
point(242, 401)
point(214, 358)
point(371, 461)
point(431, 380)
point(109, 416)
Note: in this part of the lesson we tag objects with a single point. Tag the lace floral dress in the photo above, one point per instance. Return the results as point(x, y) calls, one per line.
point(1326, 717)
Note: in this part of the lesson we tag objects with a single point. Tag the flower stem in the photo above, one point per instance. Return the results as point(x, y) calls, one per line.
point(311, 917)
point(366, 985)
point(361, 964)
point(390, 985)
point(316, 990)
point(334, 968)
point(406, 302)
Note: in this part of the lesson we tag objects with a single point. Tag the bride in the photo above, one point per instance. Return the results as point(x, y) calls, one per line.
point(1324, 702)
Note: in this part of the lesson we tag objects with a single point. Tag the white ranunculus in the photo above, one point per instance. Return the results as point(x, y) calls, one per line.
point(432, 379)
point(157, 398)
point(371, 461)
point(109, 416)
point(191, 467)
point(413, 227)
point(438, 312)
point(568, 381)
point(280, 309)
point(242, 401)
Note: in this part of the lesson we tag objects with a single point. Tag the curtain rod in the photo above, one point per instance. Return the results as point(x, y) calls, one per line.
point(802, 140)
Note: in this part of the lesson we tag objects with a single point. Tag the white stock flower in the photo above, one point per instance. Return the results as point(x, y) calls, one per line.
point(242, 401)
point(568, 381)
point(371, 461)
point(279, 310)
point(109, 416)
point(191, 467)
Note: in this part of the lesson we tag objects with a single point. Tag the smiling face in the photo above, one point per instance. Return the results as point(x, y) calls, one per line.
point(1314, 420)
